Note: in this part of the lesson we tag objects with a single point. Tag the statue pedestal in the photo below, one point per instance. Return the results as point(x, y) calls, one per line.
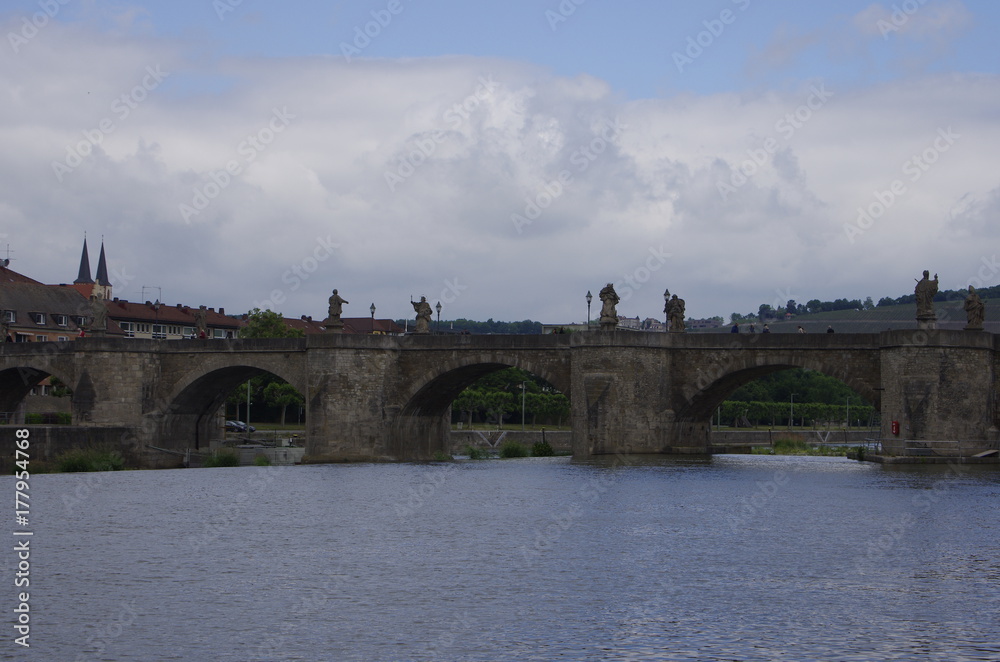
point(334, 325)
point(609, 326)
point(927, 323)
point(974, 328)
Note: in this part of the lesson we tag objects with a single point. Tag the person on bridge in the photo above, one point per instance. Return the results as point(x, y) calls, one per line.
point(736, 328)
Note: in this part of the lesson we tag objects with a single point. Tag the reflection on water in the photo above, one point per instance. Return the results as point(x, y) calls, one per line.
point(733, 558)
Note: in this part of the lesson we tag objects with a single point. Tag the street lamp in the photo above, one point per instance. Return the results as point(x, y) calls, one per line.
point(522, 406)
point(791, 410)
point(373, 318)
point(438, 306)
point(590, 297)
point(848, 412)
point(666, 307)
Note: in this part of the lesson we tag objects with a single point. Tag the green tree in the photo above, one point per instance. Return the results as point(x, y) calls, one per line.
point(268, 324)
point(282, 394)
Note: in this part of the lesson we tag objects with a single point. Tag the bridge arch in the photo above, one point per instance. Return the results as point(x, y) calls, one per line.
point(421, 426)
point(185, 414)
point(709, 394)
point(17, 378)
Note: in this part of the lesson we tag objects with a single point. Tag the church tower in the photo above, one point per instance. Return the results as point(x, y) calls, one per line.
point(86, 285)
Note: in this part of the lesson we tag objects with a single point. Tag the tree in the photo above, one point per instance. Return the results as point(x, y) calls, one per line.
point(765, 312)
point(268, 324)
point(868, 304)
point(791, 307)
point(282, 394)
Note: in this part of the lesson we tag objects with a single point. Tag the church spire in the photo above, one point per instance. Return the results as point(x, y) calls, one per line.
point(102, 269)
point(84, 277)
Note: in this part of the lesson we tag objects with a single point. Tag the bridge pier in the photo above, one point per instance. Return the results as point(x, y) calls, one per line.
point(939, 386)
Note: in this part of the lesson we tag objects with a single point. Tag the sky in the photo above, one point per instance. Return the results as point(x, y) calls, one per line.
point(503, 158)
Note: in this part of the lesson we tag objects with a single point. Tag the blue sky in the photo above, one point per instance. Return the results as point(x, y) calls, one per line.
point(745, 139)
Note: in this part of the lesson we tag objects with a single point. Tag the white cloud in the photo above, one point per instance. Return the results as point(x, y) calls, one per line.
point(647, 187)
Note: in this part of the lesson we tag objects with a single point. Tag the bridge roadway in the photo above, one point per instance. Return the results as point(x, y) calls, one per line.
point(389, 397)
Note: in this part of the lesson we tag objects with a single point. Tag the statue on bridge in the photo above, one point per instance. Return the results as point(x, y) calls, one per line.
point(675, 313)
point(201, 322)
point(423, 310)
point(925, 291)
point(609, 314)
point(333, 323)
point(99, 315)
point(975, 310)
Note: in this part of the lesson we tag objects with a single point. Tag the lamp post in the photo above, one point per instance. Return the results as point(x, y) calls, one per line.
point(438, 307)
point(590, 297)
point(848, 412)
point(791, 410)
point(522, 406)
point(666, 315)
point(373, 318)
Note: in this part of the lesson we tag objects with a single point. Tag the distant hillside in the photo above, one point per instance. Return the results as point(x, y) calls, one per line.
point(950, 315)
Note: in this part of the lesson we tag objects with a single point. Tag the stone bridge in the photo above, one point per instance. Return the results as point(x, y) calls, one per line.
point(389, 397)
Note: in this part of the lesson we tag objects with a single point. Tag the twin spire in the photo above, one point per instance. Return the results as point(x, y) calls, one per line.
point(83, 278)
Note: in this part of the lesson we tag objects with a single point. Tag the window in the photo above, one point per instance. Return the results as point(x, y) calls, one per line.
point(142, 328)
point(189, 332)
point(41, 338)
point(37, 318)
point(174, 330)
point(159, 331)
point(46, 389)
point(78, 320)
point(62, 338)
point(219, 333)
point(128, 328)
point(61, 320)
point(9, 317)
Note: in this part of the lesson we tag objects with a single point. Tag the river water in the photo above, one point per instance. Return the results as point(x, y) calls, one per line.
point(732, 558)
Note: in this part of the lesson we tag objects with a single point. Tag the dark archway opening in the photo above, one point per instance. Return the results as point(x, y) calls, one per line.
point(197, 416)
point(482, 392)
point(32, 396)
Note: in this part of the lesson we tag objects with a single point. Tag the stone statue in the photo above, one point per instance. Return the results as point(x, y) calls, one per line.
point(201, 322)
point(609, 314)
point(675, 311)
point(423, 310)
point(333, 323)
point(99, 315)
point(925, 291)
point(975, 311)
point(336, 306)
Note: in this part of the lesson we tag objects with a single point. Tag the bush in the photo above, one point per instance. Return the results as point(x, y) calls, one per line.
point(513, 449)
point(223, 458)
point(90, 459)
point(542, 449)
point(475, 453)
point(262, 461)
point(441, 456)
